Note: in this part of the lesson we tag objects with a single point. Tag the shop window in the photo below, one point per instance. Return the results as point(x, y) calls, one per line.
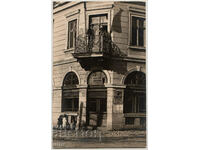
point(70, 105)
point(137, 31)
point(72, 31)
point(135, 93)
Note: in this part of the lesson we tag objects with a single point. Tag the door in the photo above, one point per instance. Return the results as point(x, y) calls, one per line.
point(96, 112)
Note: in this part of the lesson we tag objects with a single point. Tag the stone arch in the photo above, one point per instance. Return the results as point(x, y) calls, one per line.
point(129, 72)
point(63, 77)
point(104, 71)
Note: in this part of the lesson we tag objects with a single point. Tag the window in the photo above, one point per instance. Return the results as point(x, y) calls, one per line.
point(70, 80)
point(136, 78)
point(134, 103)
point(98, 28)
point(72, 31)
point(70, 93)
point(135, 93)
point(137, 31)
point(70, 104)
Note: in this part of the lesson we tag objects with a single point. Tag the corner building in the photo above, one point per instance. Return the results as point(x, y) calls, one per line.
point(99, 66)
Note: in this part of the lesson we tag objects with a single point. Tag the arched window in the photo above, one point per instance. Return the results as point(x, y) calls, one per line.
point(135, 93)
point(70, 80)
point(136, 78)
point(70, 93)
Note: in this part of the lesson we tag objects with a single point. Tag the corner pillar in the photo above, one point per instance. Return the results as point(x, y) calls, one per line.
point(109, 108)
point(81, 120)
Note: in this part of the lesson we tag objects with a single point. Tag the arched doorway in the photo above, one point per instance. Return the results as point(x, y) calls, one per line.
point(70, 93)
point(135, 99)
point(96, 100)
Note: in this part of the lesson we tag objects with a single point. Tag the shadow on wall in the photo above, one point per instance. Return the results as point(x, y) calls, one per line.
point(116, 24)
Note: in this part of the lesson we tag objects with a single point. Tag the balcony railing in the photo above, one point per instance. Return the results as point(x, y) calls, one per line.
point(102, 44)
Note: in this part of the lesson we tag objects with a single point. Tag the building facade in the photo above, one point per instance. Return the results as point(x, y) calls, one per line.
point(99, 71)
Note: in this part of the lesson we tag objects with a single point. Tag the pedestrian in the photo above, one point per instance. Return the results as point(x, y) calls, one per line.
point(64, 121)
point(60, 122)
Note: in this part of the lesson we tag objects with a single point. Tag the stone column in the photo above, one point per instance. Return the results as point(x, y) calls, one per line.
point(81, 119)
point(109, 108)
point(115, 116)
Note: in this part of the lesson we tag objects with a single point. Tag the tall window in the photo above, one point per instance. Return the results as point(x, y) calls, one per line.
point(137, 31)
point(98, 27)
point(70, 93)
point(135, 93)
point(72, 31)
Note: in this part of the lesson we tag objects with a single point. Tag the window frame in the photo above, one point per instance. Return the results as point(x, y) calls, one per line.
point(98, 12)
point(137, 15)
point(69, 18)
point(73, 22)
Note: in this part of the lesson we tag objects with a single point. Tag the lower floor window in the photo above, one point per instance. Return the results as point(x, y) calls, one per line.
point(70, 105)
point(134, 103)
point(129, 120)
point(97, 105)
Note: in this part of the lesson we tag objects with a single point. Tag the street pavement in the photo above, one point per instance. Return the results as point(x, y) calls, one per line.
point(98, 139)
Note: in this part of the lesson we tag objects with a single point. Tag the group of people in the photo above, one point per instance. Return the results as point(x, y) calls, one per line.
point(63, 122)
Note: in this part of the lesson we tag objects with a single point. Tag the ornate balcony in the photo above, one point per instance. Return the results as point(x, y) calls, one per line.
point(95, 46)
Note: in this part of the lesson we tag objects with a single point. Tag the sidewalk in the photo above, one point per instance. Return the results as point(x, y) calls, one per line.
point(99, 139)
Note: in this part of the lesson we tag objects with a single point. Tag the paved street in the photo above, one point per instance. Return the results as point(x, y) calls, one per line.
point(98, 139)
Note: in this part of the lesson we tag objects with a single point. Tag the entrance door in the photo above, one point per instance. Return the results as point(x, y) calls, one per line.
point(96, 112)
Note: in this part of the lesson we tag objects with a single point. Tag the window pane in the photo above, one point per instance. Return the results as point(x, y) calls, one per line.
point(142, 103)
point(75, 104)
point(72, 33)
point(134, 31)
point(141, 32)
point(129, 102)
point(67, 105)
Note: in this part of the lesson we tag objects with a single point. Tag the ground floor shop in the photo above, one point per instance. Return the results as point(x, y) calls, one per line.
point(98, 103)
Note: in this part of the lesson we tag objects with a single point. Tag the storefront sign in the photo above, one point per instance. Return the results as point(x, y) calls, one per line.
point(117, 97)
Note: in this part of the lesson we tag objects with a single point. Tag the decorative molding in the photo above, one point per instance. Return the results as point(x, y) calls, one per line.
point(110, 6)
point(68, 61)
point(57, 88)
point(72, 13)
point(115, 86)
point(138, 10)
point(66, 6)
point(82, 86)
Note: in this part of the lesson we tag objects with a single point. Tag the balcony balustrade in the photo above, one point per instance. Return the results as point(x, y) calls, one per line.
point(90, 46)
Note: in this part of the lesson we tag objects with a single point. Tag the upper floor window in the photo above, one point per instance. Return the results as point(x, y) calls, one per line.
point(98, 27)
point(72, 31)
point(137, 31)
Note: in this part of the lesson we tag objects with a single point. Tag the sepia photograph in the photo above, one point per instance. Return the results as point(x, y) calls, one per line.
point(99, 74)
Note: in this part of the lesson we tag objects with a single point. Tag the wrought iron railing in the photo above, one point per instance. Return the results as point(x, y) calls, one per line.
point(102, 43)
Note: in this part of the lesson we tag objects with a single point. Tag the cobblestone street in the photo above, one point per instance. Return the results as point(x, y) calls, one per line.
point(99, 139)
